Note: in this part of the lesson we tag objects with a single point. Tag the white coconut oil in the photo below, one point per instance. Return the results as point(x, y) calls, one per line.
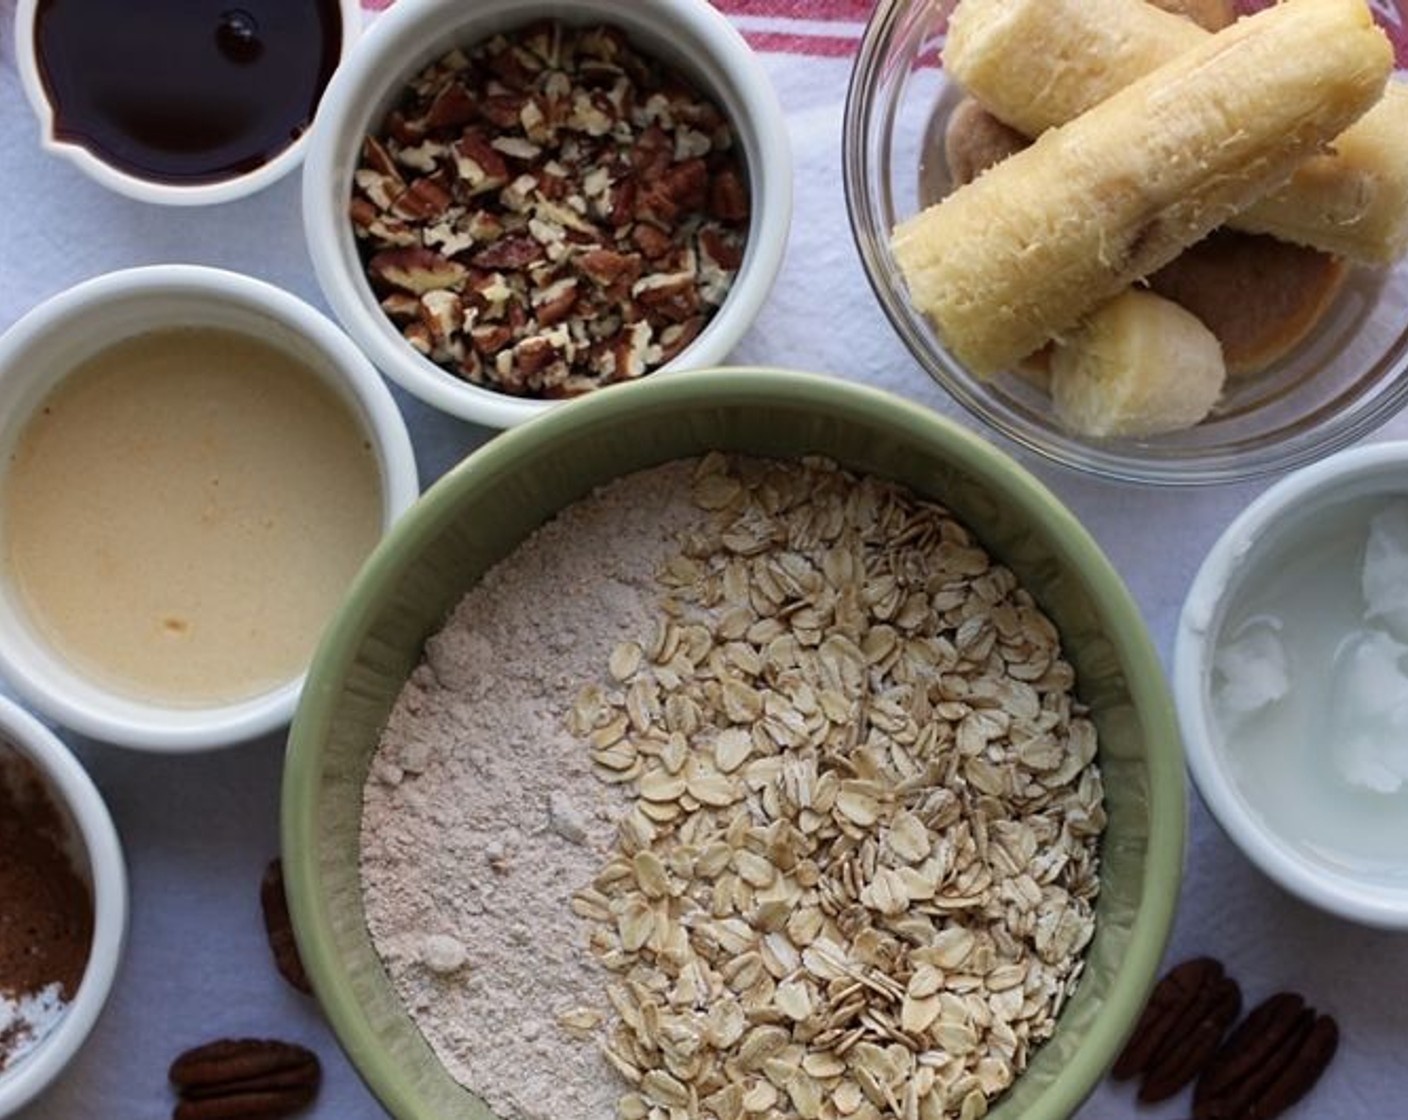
point(1310, 686)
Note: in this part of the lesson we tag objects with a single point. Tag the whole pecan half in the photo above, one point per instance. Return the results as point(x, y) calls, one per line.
point(1268, 1063)
point(244, 1079)
point(278, 926)
point(1248, 1048)
point(1176, 1000)
point(1192, 1039)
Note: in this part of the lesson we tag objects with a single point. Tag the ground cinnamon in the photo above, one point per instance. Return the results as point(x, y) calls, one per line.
point(46, 909)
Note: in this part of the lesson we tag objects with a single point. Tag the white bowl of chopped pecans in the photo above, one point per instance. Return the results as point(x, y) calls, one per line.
point(508, 203)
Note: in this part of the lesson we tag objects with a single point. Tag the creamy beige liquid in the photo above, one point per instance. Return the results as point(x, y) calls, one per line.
point(183, 513)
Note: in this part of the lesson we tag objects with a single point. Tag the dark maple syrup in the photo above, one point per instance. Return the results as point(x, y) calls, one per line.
point(185, 91)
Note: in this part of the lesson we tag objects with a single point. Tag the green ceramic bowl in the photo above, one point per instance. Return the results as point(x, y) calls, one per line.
point(485, 506)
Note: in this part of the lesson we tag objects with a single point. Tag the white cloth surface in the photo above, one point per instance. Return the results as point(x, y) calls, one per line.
point(198, 830)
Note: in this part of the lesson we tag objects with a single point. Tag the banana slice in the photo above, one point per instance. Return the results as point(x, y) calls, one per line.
point(1210, 15)
point(1260, 296)
point(1139, 365)
point(974, 140)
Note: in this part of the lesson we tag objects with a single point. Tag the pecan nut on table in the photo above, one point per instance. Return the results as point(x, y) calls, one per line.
point(1272, 1059)
point(278, 926)
point(245, 1078)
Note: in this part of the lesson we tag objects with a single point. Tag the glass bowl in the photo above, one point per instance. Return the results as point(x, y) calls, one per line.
point(1345, 379)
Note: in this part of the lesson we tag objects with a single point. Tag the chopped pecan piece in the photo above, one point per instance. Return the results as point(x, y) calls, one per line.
point(723, 252)
point(443, 315)
point(508, 252)
point(489, 338)
point(503, 110)
point(478, 166)
point(451, 108)
point(728, 197)
point(376, 158)
point(554, 303)
point(423, 199)
point(651, 240)
point(416, 270)
point(684, 186)
point(673, 295)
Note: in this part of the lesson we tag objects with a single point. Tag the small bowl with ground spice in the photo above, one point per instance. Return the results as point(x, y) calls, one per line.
point(193, 464)
point(511, 203)
point(750, 737)
point(63, 906)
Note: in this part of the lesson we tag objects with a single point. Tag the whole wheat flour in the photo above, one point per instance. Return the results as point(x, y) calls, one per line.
point(482, 817)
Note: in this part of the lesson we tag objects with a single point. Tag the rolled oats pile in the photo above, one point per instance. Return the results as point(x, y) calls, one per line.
point(858, 873)
point(841, 852)
point(551, 210)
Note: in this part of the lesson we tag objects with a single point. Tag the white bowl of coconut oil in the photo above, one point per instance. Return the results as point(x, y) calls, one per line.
point(1291, 679)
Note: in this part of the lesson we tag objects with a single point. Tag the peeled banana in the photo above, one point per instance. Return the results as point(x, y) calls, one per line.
point(1036, 64)
point(1139, 365)
point(1019, 255)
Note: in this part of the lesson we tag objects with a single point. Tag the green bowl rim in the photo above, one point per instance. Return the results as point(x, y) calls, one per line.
point(740, 386)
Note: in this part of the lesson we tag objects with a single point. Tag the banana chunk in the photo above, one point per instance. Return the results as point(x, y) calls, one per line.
point(1139, 365)
point(1036, 64)
point(1021, 254)
point(1259, 295)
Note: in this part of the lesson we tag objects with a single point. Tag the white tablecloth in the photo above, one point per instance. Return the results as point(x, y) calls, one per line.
point(199, 830)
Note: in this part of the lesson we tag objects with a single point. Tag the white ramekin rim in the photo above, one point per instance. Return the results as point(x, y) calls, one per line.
point(150, 190)
point(396, 44)
point(1299, 495)
point(74, 789)
point(67, 698)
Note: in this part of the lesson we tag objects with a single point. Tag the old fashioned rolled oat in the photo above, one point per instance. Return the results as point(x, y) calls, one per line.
point(859, 869)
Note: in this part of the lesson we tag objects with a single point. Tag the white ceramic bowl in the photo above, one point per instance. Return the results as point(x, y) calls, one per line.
point(134, 186)
point(690, 35)
point(98, 853)
point(1302, 837)
point(39, 350)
